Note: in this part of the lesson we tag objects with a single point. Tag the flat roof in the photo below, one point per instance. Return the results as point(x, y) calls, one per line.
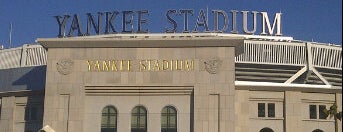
point(173, 35)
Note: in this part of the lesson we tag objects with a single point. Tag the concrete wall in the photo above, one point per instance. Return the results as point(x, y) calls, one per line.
point(291, 111)
point(14, 109)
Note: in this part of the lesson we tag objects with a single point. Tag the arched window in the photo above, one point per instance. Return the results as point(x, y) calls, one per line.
point(109, 119)
point(139, 119)
point(266, 129)
point(169, 119)
point(317, 130)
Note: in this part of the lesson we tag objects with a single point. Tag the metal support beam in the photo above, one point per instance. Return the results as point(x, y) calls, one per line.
point(320, 76)
point(310, 64)
point(308, 69)
point(297, 75)
point(23, 55)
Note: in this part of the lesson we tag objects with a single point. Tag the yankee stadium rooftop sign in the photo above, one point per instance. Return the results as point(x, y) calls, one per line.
point(137, 22)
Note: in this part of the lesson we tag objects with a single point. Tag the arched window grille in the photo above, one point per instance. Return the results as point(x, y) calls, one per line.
point(317, 130)
point(139, 119)
point(109, 119)
point(266, 129)
point(169, 119)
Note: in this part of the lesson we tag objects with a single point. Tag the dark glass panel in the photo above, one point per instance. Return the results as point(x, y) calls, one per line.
point(271, 110)
point(169, 119)
point(313, 112)
point(261, 110)
point(321, 112)
point(109, 119)
point(139, 119)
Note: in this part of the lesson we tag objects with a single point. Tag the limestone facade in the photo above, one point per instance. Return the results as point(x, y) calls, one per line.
point(198, 81)
point(196, 76)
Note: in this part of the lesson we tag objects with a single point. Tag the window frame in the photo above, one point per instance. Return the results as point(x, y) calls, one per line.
point(318, 114)
point(109, 127)
point(137, 116)
point(266, 129)
point(318, 130)
point(171, 113)
point(313, 111)
point(266, 110)
point(261, 109)
point(321, 114)
point(271, 112)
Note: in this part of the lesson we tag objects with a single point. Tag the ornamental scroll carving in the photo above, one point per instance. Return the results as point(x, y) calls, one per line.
point(65, 66)
point(212, 65)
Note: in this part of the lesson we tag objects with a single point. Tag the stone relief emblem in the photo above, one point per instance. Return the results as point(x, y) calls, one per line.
point(212, 65)
point(65, 66)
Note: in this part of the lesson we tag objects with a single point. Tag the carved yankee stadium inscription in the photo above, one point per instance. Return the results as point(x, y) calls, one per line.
point(140, 65)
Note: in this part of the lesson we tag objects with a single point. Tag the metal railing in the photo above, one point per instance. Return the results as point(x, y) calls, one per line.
point(291, 53)
point(255, 52)
point(27, 55)
point(268, 52)
point(35, 56)
point(326, 56)
point(10, 58)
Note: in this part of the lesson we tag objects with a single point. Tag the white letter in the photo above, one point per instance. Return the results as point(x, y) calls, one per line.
point(277, 20)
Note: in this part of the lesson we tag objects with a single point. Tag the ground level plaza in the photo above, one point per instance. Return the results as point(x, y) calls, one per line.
point(170, 83)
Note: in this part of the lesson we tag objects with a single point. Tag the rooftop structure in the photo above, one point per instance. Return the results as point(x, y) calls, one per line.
point(264, 58)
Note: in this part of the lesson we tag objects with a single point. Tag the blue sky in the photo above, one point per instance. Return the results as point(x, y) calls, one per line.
point(317, 20)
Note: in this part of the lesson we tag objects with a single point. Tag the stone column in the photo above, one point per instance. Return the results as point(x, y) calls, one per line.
point(339, 109)
point(7, 114)
point(242, 111)
point(293, 114)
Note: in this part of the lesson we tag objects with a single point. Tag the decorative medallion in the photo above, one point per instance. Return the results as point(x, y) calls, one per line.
point(65, 66)
point(212, 65)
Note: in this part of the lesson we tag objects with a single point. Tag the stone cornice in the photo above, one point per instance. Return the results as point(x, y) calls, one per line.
point(144, 42)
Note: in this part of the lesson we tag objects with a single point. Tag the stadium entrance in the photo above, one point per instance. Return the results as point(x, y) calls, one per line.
point(141, 83)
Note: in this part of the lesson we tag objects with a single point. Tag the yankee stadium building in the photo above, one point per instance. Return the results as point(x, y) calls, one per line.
point(194, 81)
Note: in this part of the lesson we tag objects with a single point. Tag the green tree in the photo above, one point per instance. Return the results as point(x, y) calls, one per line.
point(332, 112)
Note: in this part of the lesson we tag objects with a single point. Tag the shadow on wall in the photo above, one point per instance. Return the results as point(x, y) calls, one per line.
point(32, 78)
point(34, 113)
point(26, 82)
